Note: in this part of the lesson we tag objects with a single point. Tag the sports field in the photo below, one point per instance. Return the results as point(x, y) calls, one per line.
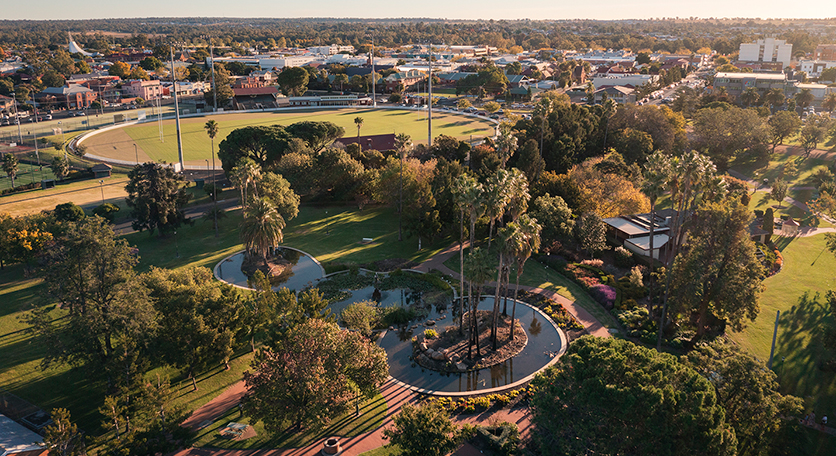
point(119, 144)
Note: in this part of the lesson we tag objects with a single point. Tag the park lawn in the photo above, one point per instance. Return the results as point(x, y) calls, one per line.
point(197, 146)
point(770, 168)
point(371, 417)
point(761, 201)
point(797, 291)
point(86, 193)
point(385, 450)
point(535, 274)
point(27, 174)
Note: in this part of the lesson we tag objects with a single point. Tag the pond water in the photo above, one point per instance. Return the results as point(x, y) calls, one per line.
point(305, 271)
point(543, 340)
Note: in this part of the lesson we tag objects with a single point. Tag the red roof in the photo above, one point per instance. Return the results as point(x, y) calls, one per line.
point(255, 91)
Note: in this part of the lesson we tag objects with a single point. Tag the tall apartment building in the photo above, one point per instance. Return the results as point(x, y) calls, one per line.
point(825, 52)
point(766, 50)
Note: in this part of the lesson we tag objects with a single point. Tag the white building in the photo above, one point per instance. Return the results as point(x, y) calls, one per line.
point(813, 68)
point(330, 50)
point(618, 79)
point(269, 63)
point(766, 50)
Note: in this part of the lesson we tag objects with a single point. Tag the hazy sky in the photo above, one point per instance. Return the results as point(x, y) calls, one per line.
point(461, 9)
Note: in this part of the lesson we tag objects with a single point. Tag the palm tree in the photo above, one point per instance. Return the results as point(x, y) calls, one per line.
point(775, 97)
point(10, 166)
point(506, 143)
point(467, 192)
point(523, 240)
point(517, 205)
point(656, 172)
point(542, 110)
point(749, 96)
point(402, 143)
point(212, 128)
point(245, 174)
point(497, 197)
point(503, 247)
point(359, 122)
point(479, 270)
point(804, 98)
point(261, 228)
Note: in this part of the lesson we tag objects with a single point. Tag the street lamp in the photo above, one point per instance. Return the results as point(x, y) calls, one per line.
point(17, 119)
point(101, 186)
point(63, 140)
point(176, 246)
point(136, 154)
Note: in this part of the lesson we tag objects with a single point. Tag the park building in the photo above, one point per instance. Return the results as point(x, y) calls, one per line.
point(766, 50)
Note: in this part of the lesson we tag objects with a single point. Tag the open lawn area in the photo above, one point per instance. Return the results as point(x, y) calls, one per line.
point(797, 291)
point(330, 233)
point(86, 193)
point(771, 168)
point(118, 144)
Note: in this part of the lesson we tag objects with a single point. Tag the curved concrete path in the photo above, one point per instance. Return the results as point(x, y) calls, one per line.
point(394, 394)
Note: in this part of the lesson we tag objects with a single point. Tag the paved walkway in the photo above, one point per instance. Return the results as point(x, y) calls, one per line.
point(396, 396)
point(592, 325)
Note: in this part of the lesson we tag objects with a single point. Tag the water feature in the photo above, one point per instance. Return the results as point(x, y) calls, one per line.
point(304, 271)
point(543, 341)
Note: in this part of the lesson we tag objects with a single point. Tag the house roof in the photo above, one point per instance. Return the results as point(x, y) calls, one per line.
point(101, 167)
point(15, 438)
point(639, 224)
point(643, 242)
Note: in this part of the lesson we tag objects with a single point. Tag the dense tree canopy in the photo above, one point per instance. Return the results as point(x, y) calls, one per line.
point(156, 196)
point(609, 396)
point(311, 376)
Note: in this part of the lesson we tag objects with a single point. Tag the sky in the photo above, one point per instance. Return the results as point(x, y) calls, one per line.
point(461, 9)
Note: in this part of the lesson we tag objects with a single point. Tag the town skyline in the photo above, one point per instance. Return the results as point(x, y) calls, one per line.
point(434, 9)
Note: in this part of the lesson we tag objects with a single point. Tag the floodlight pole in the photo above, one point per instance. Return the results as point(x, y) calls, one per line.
point(430, 101)
point(176, 112)
point(374, 79)
point(214, 89)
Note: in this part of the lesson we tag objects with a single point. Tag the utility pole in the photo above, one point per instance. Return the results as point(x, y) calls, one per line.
point(176, 112)
point(374, 79)
point(430, 102)
point(214, 89)
point(17, 119)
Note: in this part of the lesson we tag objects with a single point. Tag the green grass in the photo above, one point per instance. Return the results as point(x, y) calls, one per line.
point(196, 144)
point(537, 275)
point(386, 450)
point(61, 386)
point(371, 416)
point(26, 175)
point(797, 291)
point(86, 193)
point(771, 168)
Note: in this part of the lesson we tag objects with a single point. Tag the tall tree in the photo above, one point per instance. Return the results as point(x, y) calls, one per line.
point(60, 167)
point(804, 97)
point(110, 322)
point(718, 273)
point(212, 129)
point(61, 436)
point(317, 135)
point(524, 240)
point(656, 174)
point(782, 125)
point(293, 81)
point(779, 191)
point(311, 376)
point(263, 144)
point(591, 233)
point(402, 143)
point(497, 196)
point(10, 166)
point(359, 122)
point(775, 98)
point(156, 196)
point(198, 317)
point(479, 270)
point(261, 228)
point(468, 193)
point(587, 403)
point(749, 97)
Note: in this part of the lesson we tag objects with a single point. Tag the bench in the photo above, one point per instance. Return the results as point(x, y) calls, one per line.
point(368, 240)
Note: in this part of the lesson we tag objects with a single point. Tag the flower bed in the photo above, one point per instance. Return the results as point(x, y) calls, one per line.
point(554, 310)
point(478, 404)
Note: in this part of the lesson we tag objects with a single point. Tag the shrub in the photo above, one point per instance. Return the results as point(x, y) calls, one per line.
point(503, 438)
point(397, 316)
point(636, 277)
point(604, 294)
point(430, 334)
point(361, 317)
point(209, 189)
point(106, 211)
point(594, 263)
point(623, 257)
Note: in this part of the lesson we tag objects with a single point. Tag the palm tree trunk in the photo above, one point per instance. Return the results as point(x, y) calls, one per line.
point(461, 271)
point(650, 278)
point(514, 308)
point(470, 320)
point(475, 307)
point(495, 315)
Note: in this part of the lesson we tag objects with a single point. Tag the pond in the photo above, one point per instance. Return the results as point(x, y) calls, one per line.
point(304, 272)
point(543, 342)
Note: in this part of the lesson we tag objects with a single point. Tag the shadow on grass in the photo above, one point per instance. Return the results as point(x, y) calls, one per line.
point(801, 349)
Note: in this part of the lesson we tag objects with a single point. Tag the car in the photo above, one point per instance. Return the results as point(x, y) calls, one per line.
point(49, 117)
